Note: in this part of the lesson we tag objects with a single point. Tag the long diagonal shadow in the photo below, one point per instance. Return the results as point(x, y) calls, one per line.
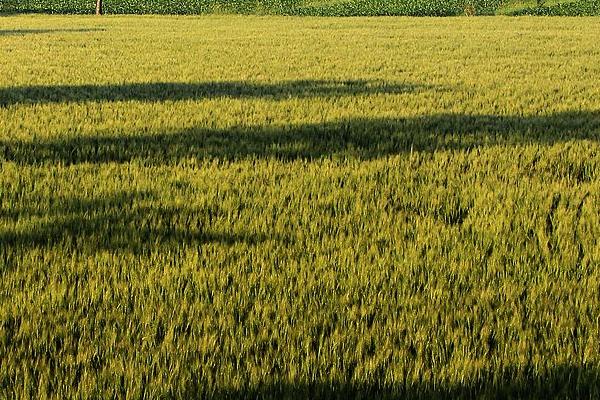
point(562, 381)
point(123, 221)
point(171, 91)
point(363, 138)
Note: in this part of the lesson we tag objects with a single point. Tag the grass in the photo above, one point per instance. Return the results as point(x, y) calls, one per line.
point(240, 207)
point(516, 6)
point(550, 7)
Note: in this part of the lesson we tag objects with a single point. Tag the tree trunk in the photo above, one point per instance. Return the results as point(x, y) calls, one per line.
point(98, 7)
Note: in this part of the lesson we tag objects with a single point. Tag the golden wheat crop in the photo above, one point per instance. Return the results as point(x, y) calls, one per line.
point(278, 207)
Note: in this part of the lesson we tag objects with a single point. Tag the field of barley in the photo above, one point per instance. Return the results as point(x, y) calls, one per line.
point(284, 207)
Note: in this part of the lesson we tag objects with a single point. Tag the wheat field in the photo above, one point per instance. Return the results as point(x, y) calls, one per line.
point(280, 207)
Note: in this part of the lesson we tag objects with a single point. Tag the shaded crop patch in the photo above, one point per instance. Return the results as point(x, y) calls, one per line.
point(172, 91)
point(361, 137)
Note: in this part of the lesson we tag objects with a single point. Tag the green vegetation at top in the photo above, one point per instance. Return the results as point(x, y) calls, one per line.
point(312, 7)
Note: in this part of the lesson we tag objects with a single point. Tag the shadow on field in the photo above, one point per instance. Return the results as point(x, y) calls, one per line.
point(564, 382)
point(124, 221)
point(167, 91)
point(362, 137)
point(23, 32)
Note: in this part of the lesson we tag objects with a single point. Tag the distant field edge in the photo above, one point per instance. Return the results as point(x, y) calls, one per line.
point(332, 8)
